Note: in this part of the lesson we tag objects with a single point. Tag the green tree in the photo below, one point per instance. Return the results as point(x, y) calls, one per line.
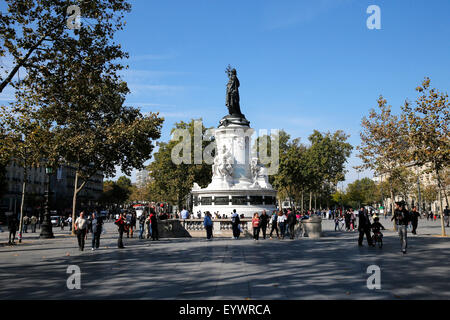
point(383, 145)
point(362, 192)
point(78, 91)
point(33, 33)
point(426, 121)
point(327, 156)
point(173, 182)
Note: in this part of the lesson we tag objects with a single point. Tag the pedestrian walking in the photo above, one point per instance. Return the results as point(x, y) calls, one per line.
point(235, 223)
point(256, 225)
point(274, 225)
point(148, 223)
point(69, 222)
point(264, 220)
point(291, 221)
point(364, 227)
point(120, 223)
point(208, 224)
point(81, 227)
point(447, 216)
point(414, 215)
point(142, 220)
point(33, 222)
point(154, 226)
point(347, 217)
point(281, 221)
point(96, 229)
point(26, 222)
point(401, 217)
point(13, 224)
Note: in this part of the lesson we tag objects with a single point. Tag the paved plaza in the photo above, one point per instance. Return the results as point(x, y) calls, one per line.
point(333, 267)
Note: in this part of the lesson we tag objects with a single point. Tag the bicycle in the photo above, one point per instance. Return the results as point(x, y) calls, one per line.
point(377, 238)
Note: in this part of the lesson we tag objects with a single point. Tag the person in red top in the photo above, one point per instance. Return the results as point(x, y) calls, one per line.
point(255, 225)
point(121, 224)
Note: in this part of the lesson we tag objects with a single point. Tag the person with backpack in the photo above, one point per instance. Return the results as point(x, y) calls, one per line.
point(207, 222)
point(120, 222)
point(256, 225)
point(274, 224)
point(263, 223)
point(235, 223)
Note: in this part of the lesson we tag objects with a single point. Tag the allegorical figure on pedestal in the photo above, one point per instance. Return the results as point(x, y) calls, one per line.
point(223, 166)
point(232, 99)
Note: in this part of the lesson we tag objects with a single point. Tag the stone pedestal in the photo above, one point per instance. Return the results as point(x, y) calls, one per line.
point(313, 227)
point(238, 180)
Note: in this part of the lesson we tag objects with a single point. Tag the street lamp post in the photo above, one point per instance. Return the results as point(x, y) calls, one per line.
point(46, 227)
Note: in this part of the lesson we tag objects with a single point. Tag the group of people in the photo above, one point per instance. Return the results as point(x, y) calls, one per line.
point(126, 222)
point(402, 218)
point(92, 224)
point(281, 222)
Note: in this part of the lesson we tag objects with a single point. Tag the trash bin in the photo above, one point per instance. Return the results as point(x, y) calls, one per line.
point(313, 227)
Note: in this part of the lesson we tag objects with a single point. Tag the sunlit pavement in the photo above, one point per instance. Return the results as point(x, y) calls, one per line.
point(333, 267)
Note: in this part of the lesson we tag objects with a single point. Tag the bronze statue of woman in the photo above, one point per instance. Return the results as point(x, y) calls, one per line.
point(232, 99)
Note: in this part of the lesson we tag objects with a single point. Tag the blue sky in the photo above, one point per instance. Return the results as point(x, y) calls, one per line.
point(303, 65)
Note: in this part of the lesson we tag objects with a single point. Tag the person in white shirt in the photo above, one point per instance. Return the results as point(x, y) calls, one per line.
point(81, 225)
point(281, 221)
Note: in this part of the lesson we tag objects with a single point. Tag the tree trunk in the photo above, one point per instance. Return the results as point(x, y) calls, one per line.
point(310, 200)
point(76, 189)
point(440, 201)
point(392, 207)
point(302, 203)
point(22, 202)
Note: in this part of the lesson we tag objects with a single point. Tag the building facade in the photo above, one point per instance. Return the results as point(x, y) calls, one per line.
point(61, 187)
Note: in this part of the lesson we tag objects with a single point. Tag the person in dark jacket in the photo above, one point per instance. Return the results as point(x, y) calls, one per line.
point(235, 222)
point(13, 225)
point(401, 217)
point(154, 226)
point(264, 220)
point(121, 224)
point(292, 221)
point(414, 215)
point(96, 229)
point(364, 227)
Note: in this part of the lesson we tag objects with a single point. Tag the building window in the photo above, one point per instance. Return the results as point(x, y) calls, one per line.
point(207, 201)
point(221, 201)
point(269, 200)
point(239, 201)
point(256, 200)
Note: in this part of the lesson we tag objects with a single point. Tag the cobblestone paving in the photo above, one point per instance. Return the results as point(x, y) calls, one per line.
point(333, 267)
